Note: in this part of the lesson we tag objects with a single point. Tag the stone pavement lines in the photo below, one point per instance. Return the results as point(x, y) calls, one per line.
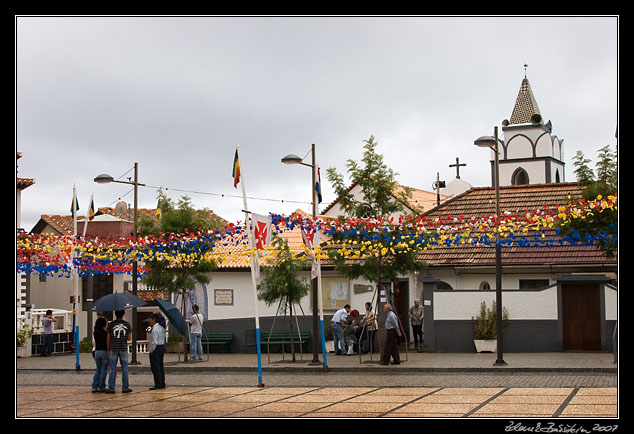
point(73, 401)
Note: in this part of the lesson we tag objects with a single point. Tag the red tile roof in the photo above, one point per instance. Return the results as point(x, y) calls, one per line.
point(514, 199)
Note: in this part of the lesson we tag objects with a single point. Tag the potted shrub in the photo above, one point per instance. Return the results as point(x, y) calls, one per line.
point(23, 337)
point(484, 327)
point(174, 343)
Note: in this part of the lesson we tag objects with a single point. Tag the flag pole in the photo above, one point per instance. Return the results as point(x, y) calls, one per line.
point(320, 303)
point(321, 315)
point(252, 259)
point(87, 214)
point(74, 209)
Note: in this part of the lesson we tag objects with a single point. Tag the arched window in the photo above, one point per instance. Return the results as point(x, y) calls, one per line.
point(485, 286)
point(520, 177)
point(557, 178)
point(444, 285)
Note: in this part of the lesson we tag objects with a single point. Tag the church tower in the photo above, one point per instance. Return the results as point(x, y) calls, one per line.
point(529, 153)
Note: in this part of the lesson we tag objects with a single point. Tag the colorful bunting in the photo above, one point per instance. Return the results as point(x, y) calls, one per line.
point(53, 255)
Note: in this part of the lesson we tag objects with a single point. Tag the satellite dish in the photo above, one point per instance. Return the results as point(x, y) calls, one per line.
point(121, 207)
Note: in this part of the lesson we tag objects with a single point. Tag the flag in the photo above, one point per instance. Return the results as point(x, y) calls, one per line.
point(74, 205)
point(236, 170)
point(318, 186)
point(91, 209)
point(261, 231)
point(158, 209)
point(310, 237)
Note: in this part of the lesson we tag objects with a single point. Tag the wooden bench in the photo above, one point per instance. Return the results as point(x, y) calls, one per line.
point(284, 338)
point(217, 338)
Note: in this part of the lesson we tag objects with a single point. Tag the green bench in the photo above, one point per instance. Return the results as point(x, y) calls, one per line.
point(284, 338)
point(217, 338)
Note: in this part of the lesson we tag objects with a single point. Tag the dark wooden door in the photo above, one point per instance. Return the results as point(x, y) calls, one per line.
point(581, 317)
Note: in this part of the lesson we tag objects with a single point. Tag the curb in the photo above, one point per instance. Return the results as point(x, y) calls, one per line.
point(372, 369)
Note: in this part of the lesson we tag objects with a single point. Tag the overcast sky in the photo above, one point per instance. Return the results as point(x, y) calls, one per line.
point(177, 94)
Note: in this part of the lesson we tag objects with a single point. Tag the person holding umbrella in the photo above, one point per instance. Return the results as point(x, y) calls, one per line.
point(157, 351)
point(119, 333)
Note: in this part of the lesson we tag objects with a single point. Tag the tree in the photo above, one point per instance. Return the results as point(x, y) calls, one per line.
point(387, 255)
point(377, 182)
point(281, 282)
point(188, 233)
point(601, 225)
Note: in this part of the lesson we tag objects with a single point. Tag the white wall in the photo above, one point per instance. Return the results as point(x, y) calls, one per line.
point(463, 305)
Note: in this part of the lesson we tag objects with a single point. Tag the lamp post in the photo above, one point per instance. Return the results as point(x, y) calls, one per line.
point(294, 159)
point(106, 179)
point(492, 143)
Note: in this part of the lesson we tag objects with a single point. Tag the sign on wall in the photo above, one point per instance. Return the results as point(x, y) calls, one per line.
point(223, 297)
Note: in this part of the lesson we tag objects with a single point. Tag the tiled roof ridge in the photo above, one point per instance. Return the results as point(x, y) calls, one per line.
point(408, 204)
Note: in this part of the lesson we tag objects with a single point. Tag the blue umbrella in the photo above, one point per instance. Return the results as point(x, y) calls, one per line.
point(117, 301)
point(173, 315)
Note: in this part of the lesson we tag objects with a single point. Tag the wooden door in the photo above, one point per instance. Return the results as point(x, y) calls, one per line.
point(581, 317)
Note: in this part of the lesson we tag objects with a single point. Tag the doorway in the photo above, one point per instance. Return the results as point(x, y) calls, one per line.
point(581, 316)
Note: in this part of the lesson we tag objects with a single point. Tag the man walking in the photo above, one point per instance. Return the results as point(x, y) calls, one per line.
point(157, 352)
point(391, 341)
point(338, 319)
point(119, 333)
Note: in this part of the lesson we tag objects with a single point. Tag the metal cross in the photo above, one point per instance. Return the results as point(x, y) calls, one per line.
point(457, 166)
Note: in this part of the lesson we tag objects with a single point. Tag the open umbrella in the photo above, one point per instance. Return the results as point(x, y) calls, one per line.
point(117, 301)
point(173, 315)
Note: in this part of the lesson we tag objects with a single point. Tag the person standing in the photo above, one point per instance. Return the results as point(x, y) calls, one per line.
point(337, 321)
point(100, 354)
point(119, 333)
point(371, 326)
point(157, 352)
point(195, 334)
point(47, 334)
point(416, 319)
point(391, 341)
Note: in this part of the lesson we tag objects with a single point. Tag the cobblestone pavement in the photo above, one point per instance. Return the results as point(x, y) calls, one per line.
point(67, 394)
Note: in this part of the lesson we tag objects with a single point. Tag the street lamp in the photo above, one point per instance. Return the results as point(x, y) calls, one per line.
point(492, 143)
point(106, 179)
point(294, 159)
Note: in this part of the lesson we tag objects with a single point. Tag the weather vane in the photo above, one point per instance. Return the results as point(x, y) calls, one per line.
point(525, 66)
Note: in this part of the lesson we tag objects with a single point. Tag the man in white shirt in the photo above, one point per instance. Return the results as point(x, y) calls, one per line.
point(337, 321)
point(157, 352)
point(195, 334)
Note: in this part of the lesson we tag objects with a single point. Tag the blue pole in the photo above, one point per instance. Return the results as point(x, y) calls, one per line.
point(257, 341)
point(77, 367)
point(323, 342)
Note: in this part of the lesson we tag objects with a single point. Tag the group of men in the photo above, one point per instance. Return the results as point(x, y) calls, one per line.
point(119, 332)
point(392, 329)
point(115, 346)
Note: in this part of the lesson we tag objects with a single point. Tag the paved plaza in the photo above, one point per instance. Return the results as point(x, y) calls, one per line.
point(544, 386)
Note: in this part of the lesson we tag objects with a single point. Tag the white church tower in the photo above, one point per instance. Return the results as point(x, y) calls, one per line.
point(529, 152)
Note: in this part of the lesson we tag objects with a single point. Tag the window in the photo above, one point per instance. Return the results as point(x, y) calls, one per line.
point(534, 283)
point(520, 177)
point(484, 286)
point(444, 285)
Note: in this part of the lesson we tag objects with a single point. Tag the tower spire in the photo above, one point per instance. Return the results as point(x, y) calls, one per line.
point(525, 104)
